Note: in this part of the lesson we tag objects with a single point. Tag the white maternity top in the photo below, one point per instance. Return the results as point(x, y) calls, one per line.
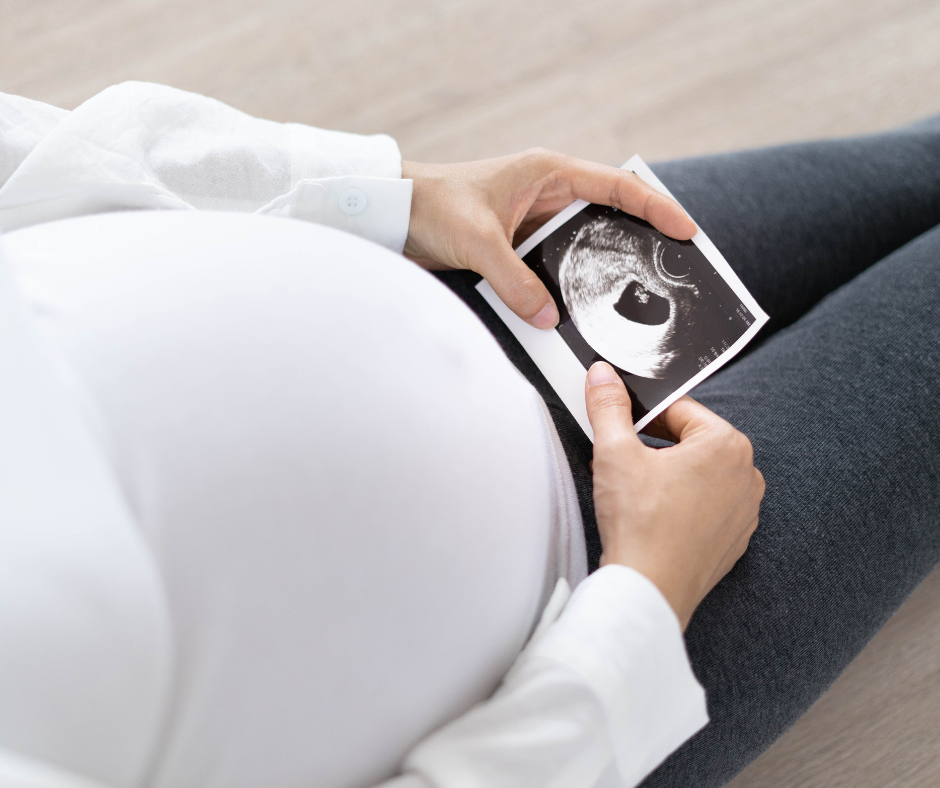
point(275, 510)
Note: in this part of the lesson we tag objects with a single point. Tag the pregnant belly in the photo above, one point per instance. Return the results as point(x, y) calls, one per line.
point(342, 481)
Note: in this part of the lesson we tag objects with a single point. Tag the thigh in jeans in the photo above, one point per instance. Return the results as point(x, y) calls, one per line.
point(798, 221)
point(841, 409)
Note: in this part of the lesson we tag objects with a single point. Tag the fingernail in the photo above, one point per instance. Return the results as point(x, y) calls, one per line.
point(547, 317)
point(601, 372)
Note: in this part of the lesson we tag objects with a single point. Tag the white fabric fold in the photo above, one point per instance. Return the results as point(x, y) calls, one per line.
point(23, 125)
point(143, 146)
point(622, 637)
point(319, 153)
point(600, 696)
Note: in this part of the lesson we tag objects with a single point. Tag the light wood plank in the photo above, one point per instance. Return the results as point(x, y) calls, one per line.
point(878, 726)
point(471, 78)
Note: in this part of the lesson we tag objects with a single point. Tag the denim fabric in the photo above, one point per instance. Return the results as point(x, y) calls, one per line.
point(839, 242)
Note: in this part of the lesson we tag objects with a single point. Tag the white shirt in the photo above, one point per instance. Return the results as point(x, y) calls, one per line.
point(135, 646)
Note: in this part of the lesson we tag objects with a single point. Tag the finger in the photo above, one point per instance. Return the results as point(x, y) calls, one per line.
point(686, 417)
point(608, 408)
point(758, 488)
point(656, 429)
point(515, 283)
point(428, 263)
point(625, 190)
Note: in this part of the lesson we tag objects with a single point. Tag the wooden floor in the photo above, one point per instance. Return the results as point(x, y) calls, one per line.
point(602, 79)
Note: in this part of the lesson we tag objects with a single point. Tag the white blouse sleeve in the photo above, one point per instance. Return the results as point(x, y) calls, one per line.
point(599, 697)
point(23, 125)
point(139, 146)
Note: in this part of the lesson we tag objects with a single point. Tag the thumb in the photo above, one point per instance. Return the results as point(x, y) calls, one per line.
point(686, 417)
point(608, 407)
point(515, 283)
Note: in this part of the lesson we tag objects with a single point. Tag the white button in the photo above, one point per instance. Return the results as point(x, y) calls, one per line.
point(352, 201)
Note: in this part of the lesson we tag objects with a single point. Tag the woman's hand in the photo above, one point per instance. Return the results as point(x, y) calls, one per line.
point(472, 215)
point(682, 515)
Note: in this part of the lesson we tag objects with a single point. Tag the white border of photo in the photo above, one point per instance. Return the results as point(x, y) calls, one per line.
point(559, 364)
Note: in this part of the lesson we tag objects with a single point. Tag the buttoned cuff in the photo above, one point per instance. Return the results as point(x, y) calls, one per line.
point(320, 153)
point(348, 181)
point(378, 209)
point(621, 636)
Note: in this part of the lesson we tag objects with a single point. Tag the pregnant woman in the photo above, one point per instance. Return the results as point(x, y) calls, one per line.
point(278, 510)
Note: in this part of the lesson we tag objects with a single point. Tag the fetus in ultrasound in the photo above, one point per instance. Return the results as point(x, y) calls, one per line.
point(631, 296)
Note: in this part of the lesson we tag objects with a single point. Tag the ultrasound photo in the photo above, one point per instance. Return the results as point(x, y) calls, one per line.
point(664, 313)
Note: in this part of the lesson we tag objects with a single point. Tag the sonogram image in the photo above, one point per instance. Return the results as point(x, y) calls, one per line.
point(624, 300)
point(652, 306)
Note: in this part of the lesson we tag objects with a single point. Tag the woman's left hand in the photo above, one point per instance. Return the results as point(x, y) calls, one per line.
point(472, 215)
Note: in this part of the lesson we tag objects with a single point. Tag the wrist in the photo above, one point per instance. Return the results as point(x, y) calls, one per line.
point(419, 244)
point(669, 582)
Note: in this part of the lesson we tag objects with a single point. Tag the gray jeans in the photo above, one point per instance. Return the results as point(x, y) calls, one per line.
point(840, 243)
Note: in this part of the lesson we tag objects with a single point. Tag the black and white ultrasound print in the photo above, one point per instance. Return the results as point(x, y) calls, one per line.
point(653, 307)
point(665, 313)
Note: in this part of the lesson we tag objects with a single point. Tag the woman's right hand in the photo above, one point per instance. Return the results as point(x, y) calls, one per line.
point(471, 215)
point(683, 515)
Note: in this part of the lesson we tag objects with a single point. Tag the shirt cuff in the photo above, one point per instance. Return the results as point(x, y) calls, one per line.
point(378, 209)
point(348, 181)
point(319, 153)
point(621, 636)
